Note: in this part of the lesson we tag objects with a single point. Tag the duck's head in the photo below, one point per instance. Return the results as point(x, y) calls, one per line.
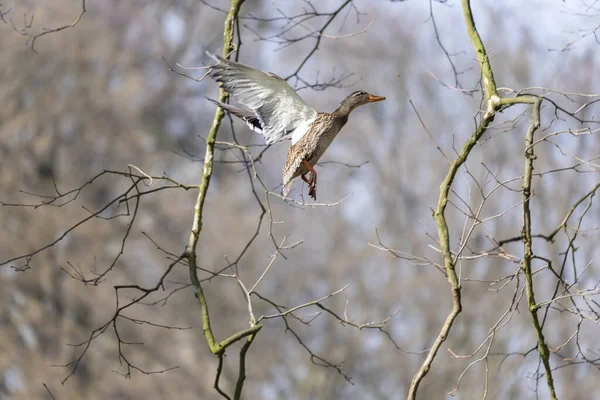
point(356, 99)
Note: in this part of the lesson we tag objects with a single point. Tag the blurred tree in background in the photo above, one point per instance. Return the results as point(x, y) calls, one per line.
point(106, 149)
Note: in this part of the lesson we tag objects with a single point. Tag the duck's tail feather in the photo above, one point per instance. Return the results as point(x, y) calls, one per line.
point(287, 187)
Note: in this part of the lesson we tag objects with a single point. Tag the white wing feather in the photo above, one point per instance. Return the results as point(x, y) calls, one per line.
point(301, 130)
point(278, 107)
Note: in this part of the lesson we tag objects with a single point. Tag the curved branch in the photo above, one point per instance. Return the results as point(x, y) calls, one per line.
point(242, 369)
point(494, 103)
point(207, 170)
point(71, 25)
point(563, 224)
point(217, 348)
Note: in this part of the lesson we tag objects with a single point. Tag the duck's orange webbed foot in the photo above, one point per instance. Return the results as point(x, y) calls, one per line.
point(312, 181)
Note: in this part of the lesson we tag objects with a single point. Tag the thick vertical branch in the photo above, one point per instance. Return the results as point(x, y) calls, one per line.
point(528, 245)
point(228, 35)
point(449, 263)
point(493, 104)
point(217, 348)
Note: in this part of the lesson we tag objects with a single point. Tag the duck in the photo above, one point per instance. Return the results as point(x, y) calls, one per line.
point(270, 107)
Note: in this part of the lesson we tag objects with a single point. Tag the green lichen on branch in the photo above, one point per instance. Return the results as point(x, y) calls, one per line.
point(216, 347)
point(487, 74)
point(228, 47)
point(439, 214)
point(439, 217)
point(494, 104)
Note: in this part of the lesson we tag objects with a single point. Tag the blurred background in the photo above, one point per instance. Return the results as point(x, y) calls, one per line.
point(99, 97)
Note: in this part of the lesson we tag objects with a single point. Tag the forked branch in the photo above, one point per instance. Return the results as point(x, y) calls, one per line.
point(493, 104)
point(217, 348)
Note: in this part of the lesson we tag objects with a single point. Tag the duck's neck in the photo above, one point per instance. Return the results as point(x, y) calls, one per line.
point(344, 109)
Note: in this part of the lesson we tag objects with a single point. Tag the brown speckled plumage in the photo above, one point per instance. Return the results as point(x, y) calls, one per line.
point(311, 146)
point(272, 108)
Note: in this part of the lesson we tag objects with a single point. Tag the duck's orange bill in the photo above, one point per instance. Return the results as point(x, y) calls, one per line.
point(373, 99)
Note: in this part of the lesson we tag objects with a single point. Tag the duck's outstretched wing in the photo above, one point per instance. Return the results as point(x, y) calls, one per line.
point(277, 108)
